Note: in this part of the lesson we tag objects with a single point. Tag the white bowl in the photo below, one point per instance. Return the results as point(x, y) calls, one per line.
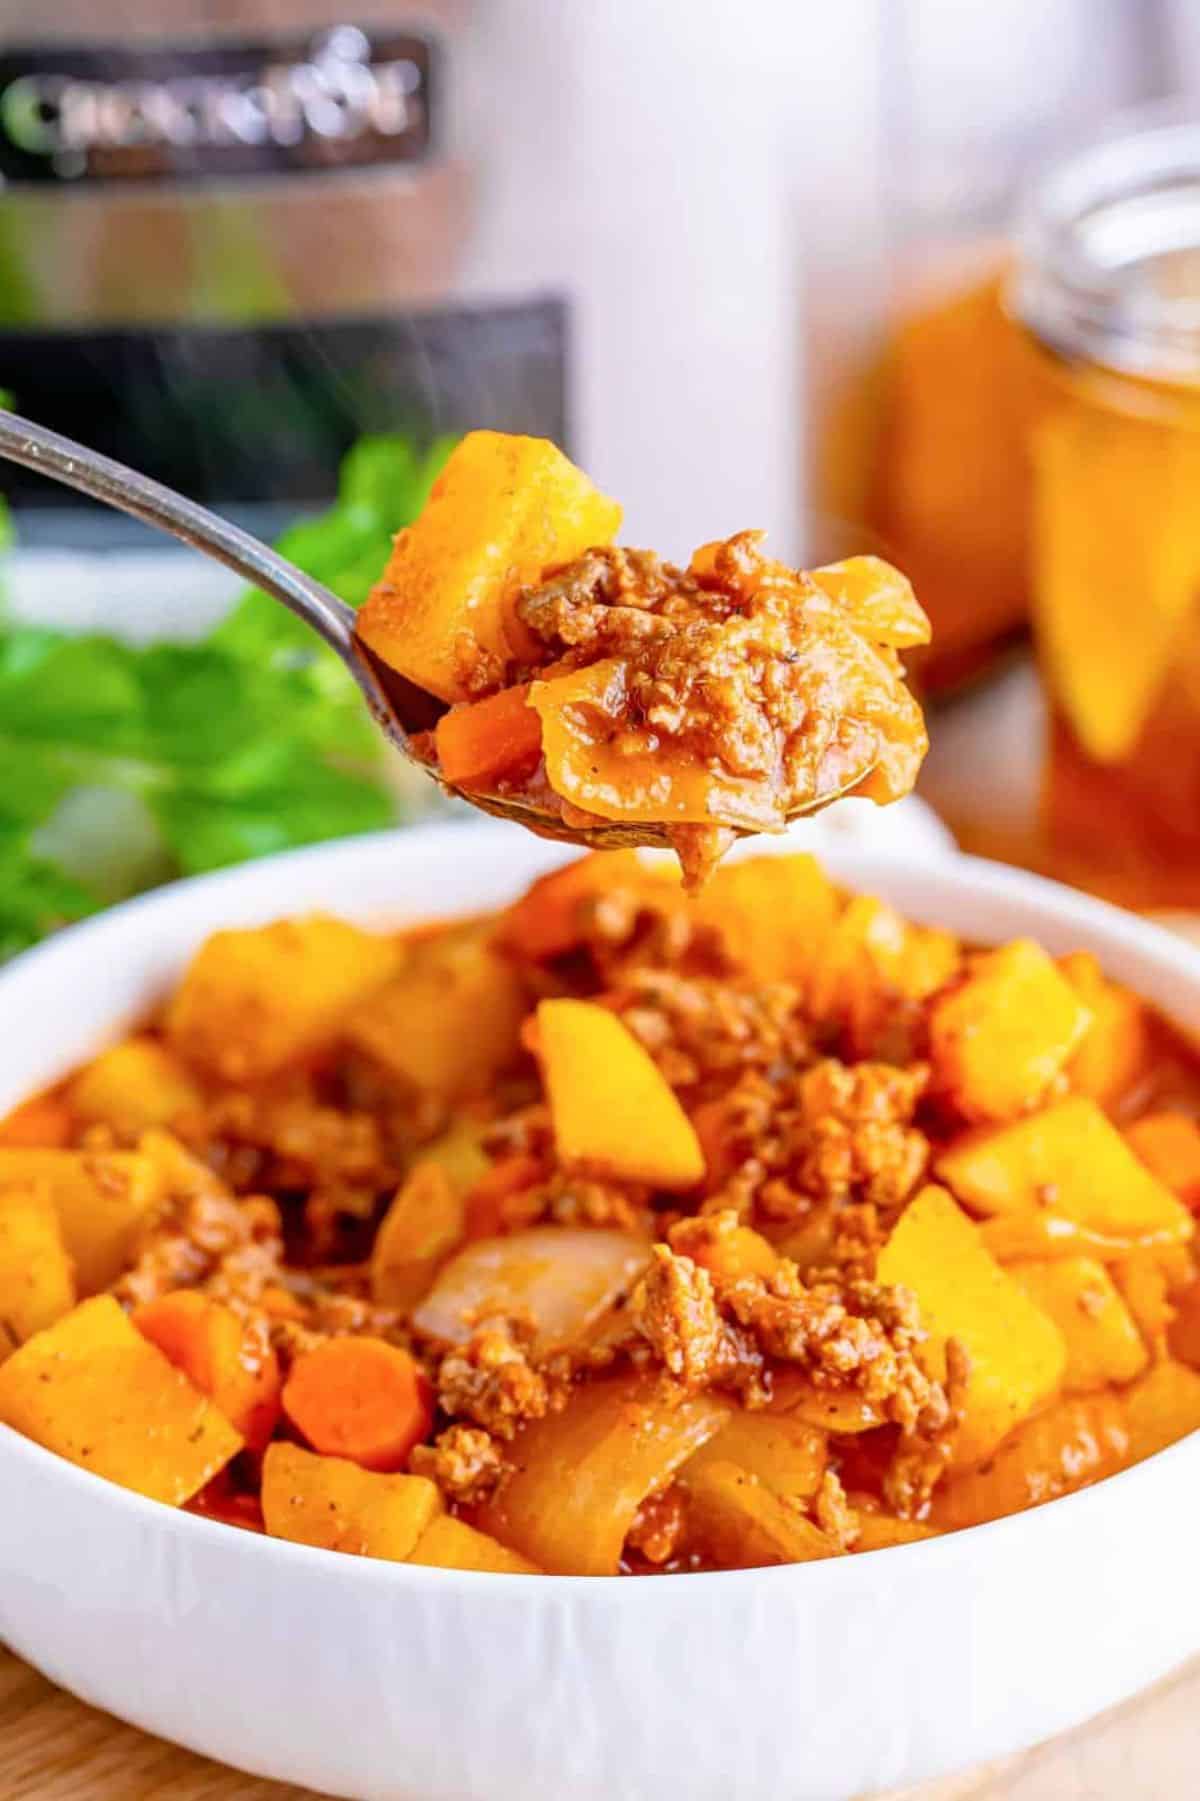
point(378, 1681)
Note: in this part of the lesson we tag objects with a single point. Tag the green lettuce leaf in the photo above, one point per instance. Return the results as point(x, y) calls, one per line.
point(122, 766)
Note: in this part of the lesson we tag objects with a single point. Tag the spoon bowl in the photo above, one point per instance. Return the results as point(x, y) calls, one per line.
point(399, 709)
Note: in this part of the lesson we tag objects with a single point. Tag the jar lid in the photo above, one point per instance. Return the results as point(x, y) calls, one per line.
point(1109, 250)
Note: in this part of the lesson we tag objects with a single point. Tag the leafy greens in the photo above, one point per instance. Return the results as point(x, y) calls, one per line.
point(121, 766)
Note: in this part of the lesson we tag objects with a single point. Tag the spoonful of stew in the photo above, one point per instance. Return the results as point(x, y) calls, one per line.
point(590, 692)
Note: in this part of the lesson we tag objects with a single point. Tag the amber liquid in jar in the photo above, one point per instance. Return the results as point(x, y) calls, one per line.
point(1110, 292)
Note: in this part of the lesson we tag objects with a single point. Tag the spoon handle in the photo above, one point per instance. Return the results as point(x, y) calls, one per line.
point(21, 441)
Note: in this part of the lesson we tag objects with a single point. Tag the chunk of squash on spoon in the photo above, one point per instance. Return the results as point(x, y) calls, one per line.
point(503, 510)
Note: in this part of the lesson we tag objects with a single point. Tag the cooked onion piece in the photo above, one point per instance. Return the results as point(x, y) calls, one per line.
point(561, 1279)
point(582, 1474)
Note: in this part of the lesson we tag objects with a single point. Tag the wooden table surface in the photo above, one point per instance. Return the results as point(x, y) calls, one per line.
point(52, 1748)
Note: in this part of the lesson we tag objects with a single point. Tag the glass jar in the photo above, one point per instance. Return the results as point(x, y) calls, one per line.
point(1108, 287)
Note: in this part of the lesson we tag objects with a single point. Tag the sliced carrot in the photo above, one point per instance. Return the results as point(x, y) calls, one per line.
point(208, 1342)
point(45, 1122)
point(362, 1399)
point(487, 739)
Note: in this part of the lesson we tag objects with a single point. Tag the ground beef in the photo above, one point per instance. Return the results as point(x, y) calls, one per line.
point(465, 1461)
point(675, 1308)
point(923, 1452)
point(493, 1381)
point(714, 1332)
point(203, 1232)
point(835, 1132)
point(834, 1514)
point(704, 1033)
point(738, 660)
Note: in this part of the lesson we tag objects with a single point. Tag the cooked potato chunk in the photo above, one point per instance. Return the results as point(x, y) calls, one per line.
point(1073, 1443)
point(999, 1038)
point(873, 971)
point(503, 510)
point(1115, 1051)
point(1102, 1339)
point(424, 1223)
point(613, 1112)
point(1169, 1145)
point(102, 1198)
point(449, 1544)
point(1017, 1355)
point(252, 1002)
point(37, 1280)
point(93, 1389)
point(447, 1023)
point(880, 1531)
point(338, 1506)
point(1071, 1158)
point(133, 1086)
point(774, 914)
point(1163, 1406)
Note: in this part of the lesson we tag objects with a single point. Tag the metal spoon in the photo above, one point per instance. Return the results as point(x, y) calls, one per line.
point(398, 707)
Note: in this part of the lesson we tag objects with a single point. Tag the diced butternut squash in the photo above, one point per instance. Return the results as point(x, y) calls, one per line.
point(423, 1225)
point(450, 1544)
point(1144, 1283)
point(503, 511)
point(1169, 1145)
point(37, 1281)
point(1114, 1052)
point(1074, 1443)
point(480, 741)
point(613, 1113)
point(133, 1086)
point(731, 1251)
point(874, 968)
point(773, 914)
point(252, 1002)
point(1183, 1334)
point(550, 917)
point(45, 1122)
point(878, 600)
point(780, 1449)
point(459, 1153)
point(337, 1506)
point(103, 1199)
point(448, 1021)
point(1001, 1036)
point(1163, 1406)
point(880, 1531)
point(1030, 1237)
point(237, 1370)
point(1072, 1160)
point(1017, 1355)
point(741, 1524)
point(91, 1388)
point(1102, 1338)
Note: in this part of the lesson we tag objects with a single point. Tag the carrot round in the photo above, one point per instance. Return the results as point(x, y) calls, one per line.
point(487, 739)
point(208, 1342)
point(362, 1399)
